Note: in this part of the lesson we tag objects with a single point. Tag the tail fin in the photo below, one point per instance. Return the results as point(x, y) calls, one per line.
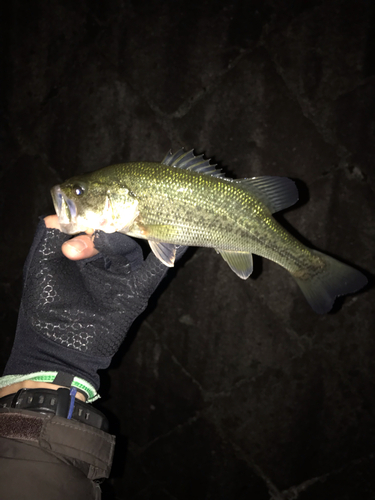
point(335, 280)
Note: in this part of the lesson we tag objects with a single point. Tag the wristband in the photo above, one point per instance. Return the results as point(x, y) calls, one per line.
point(50, 377)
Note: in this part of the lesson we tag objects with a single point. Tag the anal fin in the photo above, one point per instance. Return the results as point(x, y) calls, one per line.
point(241, 263)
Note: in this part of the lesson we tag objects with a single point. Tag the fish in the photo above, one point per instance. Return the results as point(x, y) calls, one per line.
point(185, 200)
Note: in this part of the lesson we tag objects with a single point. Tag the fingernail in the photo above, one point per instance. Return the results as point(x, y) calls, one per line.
point(76, 245)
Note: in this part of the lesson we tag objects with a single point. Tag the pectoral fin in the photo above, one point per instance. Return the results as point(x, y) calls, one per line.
point(165, 252)
point(241, 263)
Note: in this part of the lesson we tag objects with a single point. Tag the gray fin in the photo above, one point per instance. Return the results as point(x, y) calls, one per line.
point(188, 161)
point(165, 252)
point(336, 278)
point(241, 263)
point(277, 193)
point(169, 158)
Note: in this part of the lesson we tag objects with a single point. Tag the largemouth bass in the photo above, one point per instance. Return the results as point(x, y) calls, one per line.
point(184, 200)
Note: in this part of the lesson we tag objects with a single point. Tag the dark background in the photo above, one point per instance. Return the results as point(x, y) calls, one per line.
point(231, 389)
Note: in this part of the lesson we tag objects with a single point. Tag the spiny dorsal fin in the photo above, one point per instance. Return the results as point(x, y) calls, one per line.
point(277, 193)
point(188, 161)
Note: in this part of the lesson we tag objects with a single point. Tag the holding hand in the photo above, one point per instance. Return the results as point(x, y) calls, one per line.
point(76, 311)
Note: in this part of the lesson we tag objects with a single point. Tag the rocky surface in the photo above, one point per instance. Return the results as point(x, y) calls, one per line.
point(226, 389)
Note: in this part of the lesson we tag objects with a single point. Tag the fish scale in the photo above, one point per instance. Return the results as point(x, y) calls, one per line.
point(203, 214)
point(186, 201)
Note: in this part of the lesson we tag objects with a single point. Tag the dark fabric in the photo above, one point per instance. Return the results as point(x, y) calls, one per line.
point(75, 314)
point(52, 458)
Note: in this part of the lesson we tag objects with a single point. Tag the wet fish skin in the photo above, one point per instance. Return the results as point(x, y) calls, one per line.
point(185, 201)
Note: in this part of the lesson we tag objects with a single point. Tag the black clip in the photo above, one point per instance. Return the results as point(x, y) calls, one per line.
point(63, 402)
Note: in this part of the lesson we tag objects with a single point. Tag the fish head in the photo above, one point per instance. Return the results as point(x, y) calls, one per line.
point(83, 203)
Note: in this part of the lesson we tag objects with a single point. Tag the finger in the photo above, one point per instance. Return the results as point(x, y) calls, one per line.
point(52, 222)
point(150, 274)
point(80, 247)
point(153, 271)
point(117, 244)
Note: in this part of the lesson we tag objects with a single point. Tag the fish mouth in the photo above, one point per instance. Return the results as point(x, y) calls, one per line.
point(66, 210)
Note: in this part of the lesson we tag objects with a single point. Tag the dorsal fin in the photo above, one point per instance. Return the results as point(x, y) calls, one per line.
point(277, 193)
point(188, 161)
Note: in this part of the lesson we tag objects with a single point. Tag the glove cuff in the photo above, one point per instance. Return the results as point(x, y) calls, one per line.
point(35, 353)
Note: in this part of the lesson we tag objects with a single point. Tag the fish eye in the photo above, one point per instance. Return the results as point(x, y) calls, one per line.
point(78, 189)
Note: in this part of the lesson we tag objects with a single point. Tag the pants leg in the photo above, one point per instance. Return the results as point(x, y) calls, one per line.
point(43, 457)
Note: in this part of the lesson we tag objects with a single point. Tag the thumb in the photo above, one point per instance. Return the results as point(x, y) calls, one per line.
point(80, 247)
point(121, 246)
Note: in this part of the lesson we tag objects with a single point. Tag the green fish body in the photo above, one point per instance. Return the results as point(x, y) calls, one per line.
point(186, 201)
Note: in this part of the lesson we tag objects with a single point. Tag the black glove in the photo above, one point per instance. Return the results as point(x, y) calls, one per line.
point(75, 314)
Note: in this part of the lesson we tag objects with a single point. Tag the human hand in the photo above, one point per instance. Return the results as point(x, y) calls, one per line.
point(77, 248)
point(76, 312)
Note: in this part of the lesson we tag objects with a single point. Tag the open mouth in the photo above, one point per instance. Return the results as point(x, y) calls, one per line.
point(66, 209)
